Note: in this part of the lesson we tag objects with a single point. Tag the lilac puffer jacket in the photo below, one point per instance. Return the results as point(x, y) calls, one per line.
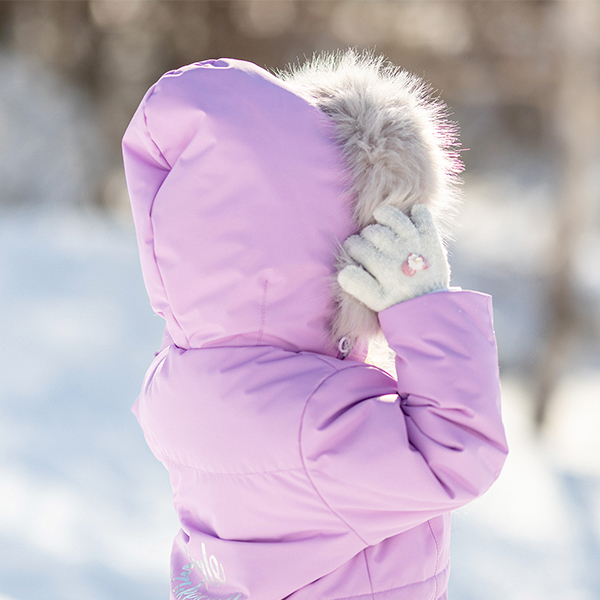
point(297, 472)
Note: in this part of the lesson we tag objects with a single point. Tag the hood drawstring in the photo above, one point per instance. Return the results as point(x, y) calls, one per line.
point(344, 347)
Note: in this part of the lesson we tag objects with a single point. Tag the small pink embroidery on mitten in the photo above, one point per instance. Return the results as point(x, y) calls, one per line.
point(414, 263)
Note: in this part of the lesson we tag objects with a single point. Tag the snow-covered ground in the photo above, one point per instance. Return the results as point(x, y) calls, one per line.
point(85, 509)
point(536, 534)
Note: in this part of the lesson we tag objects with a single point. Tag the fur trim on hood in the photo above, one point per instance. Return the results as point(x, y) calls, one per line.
point(398, 144)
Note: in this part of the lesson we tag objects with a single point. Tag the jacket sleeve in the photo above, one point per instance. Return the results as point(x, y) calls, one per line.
point(385, 467)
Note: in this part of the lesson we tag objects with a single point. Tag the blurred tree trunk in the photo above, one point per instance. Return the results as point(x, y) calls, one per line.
point(576, 129)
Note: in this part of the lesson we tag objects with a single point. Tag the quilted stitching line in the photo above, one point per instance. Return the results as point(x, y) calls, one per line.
point(437, 559)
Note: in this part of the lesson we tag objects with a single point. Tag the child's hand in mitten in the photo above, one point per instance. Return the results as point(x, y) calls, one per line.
point(399, 258)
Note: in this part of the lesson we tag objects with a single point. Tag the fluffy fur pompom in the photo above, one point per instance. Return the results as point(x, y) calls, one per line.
point(397, 142)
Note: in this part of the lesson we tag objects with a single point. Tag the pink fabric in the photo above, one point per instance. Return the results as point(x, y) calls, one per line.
point(290, 478)
point(223, 163)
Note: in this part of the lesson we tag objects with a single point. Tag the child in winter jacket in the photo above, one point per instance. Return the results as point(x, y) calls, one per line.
point(298, 470)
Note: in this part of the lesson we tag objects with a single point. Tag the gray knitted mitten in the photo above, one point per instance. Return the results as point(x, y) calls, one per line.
point(398, 259)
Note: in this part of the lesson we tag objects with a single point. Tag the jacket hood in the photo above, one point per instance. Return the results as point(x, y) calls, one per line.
point(243, 186)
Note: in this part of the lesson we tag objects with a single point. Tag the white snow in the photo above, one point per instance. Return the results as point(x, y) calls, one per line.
point(536, 533)
point(81, 497)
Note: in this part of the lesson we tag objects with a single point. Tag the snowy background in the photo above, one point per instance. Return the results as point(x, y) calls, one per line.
point(85, 509)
